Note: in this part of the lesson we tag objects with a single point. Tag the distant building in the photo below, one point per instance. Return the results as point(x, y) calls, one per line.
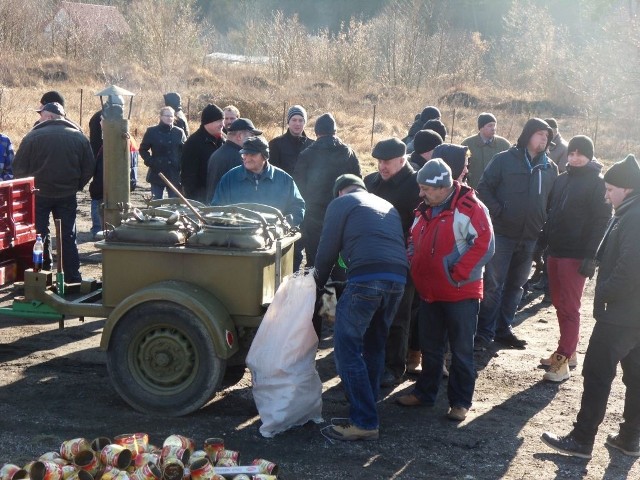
point(77, 27)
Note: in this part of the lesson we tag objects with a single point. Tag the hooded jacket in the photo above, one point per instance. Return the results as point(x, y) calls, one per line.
point(58, 155)
point(453, 155)
point(448, 250)
point(515, 188)
point(616, 300)
point(578, 213)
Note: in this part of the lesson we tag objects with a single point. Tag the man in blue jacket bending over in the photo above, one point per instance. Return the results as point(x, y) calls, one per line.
point(366, 233)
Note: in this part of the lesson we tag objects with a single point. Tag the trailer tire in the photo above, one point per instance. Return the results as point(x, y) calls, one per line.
point(162, 360)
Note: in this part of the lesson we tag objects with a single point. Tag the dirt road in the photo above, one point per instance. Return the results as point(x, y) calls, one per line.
point(54, 386)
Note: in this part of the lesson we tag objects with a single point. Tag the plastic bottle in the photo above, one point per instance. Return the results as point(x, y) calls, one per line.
point(38, 249)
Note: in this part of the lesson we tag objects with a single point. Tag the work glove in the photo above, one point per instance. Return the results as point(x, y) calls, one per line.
point(588, 267)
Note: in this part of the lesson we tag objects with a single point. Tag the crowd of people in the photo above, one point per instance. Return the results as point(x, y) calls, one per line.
point(432, 251)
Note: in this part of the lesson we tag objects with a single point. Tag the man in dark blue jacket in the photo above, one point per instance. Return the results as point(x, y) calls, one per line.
point(365, 231)
point(515, 187)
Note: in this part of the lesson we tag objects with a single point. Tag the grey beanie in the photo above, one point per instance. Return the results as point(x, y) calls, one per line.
point(435, 173)
point(325, 125)
point(297, 110)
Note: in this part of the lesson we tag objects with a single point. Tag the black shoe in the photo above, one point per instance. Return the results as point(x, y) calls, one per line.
point(481, 344)
point(567, 445)
point(390, 380)
point(511, 341)
point(626, 446)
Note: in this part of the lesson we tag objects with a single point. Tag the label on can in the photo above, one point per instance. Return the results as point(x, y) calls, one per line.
point(265, 466)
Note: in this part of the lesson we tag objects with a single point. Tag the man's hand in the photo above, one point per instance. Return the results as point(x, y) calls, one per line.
point(588, 267)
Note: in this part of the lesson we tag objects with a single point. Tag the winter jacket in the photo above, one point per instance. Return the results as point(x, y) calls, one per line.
point(481, 155)
point(578, 213)
point(516, 188)
point(417, 161)
point(616, 300)
point(285, 149)
point(558, 152)
point(401, 190)
point(317, 169)
point(161, 150)
point(221, 161)
point(448, 250)
point(58, 155)
point(273, 187)
point(365, 230)
point(196, 152)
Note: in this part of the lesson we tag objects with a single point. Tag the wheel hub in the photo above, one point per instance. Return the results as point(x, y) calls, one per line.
point(165, 357)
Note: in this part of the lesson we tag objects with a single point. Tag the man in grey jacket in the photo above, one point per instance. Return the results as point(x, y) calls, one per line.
point(58, 155)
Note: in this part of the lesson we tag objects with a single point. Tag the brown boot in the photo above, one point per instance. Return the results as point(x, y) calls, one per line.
point(547, 362)
point(414, 361)
point(559, 369)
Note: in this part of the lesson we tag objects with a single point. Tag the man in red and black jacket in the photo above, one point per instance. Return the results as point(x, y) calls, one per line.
point(451, 241)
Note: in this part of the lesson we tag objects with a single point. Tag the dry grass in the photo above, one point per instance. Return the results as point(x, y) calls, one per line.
point(258, 97)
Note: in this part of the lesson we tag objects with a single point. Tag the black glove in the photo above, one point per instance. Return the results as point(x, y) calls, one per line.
point(588, 267)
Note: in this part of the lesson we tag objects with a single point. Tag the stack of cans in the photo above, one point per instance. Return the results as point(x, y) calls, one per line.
point(131, 457)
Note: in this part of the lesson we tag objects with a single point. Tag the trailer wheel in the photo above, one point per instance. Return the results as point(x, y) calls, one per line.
point(161, 359)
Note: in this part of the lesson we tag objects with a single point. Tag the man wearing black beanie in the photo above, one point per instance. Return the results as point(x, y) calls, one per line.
point(616, 335)
point(198, 149)
point(318, 167)
point(424, 143)
point(483, 146)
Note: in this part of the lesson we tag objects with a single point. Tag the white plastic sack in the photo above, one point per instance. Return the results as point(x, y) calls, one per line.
point(282, 359)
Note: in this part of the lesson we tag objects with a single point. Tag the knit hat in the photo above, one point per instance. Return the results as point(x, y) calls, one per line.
point(552, 122)
point(435, 173)
point(425, 141)
point(484, 118)
point(242, 124)
point(438, 127)
point(256, 145)
point(52, 96)
point(582, 144)
point(325, 125)
point(343, 181)
point(211, 113)
point(453, 155)
point(624, 174)
point(429, 113)
point(297, 110)
point(389, 149)
point(53, 107)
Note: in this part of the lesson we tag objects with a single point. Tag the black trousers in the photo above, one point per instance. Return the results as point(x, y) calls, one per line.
point(608, 346)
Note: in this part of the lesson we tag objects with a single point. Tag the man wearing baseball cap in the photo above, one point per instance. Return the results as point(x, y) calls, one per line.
point(257, 181)
point(58, 155)
point(616, 335)
point(228, 155)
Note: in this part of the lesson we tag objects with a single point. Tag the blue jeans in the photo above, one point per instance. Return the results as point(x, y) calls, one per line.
point(505, 274)
point(96, 217)
point(64, 209)
point(363, 315)
point(157, 191)
point(456, 321)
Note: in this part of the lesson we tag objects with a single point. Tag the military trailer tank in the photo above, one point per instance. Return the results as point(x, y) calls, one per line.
point(183, 289)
